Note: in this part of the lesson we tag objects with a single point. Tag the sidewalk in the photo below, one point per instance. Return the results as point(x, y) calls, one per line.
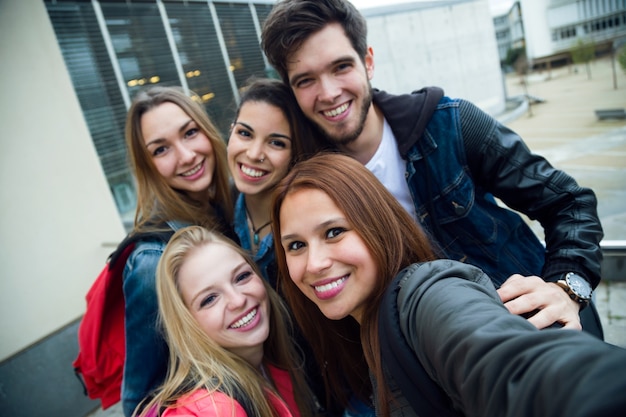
point(565, 129)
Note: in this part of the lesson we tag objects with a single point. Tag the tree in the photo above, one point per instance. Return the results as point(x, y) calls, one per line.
point(584, 53)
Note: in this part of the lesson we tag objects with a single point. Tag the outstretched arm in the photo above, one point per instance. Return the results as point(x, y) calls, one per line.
point(491, 362)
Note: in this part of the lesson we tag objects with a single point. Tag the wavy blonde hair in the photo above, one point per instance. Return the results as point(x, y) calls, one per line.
point(196, 361)
point(157, 202)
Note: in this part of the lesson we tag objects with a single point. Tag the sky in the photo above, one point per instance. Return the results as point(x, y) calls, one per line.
point(496, 6)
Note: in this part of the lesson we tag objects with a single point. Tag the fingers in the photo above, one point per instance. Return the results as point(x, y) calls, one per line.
point(543, 303)
point(517, 285)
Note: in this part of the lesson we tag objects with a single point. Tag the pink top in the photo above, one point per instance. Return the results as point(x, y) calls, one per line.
point(201, 403)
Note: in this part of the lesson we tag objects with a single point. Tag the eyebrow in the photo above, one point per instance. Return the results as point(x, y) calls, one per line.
point(345, 58)
point(271, 135)
point(180, 129)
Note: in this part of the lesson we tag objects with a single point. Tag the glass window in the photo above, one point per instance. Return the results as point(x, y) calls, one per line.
point(242, 41)
point(98, 92)
point(140, 44)
point(202, 60)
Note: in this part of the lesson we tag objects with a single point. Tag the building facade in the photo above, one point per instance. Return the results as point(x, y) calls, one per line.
point(112, 49)
point(551, 28)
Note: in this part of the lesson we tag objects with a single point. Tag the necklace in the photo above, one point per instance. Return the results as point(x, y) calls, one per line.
point(255, 230)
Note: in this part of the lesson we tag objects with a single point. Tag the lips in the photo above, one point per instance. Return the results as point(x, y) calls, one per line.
point(337, 111)
point(245, 320)
point(330, 288)
point(193, 170)
point(252, 172)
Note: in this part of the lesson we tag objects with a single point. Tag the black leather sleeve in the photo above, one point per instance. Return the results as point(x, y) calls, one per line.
point(493, 363)
point(502, 164)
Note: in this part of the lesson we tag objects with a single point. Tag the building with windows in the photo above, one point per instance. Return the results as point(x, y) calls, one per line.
point(551, 28)
point(509, 29)
point(112, 49)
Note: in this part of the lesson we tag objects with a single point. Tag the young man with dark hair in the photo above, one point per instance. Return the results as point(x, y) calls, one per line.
point(445, 160)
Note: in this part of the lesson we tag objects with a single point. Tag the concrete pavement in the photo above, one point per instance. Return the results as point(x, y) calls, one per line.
point(565, 129)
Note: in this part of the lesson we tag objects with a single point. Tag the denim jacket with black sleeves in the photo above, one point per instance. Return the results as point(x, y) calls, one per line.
point(458, 158)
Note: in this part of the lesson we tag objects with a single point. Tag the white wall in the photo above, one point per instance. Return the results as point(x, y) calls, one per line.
point(452, 47)
point(56, 209)
point(538, 38)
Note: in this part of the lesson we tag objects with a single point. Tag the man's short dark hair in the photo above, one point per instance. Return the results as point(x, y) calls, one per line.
point(291, 22)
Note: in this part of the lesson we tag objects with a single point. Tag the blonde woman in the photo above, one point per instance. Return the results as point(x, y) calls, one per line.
point(228, 332)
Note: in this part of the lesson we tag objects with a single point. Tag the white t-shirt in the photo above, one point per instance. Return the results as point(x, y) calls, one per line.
point(389, 167)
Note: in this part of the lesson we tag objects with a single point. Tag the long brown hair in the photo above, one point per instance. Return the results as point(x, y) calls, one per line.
point(196, 361)
point(157, 202)
point(394, 241)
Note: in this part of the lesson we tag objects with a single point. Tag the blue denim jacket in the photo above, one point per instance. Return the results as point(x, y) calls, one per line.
point(145, 366)
point(458, 158)
point(265, 257)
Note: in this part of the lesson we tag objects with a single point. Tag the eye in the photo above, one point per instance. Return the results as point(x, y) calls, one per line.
point(294, 246)
point(208, 300)
point(243, 276)
point(334, 232)
point(159, 150)
point(190, 133)
point(304, 82)
point(244, 132)
point(277, 143)
point(343, 67)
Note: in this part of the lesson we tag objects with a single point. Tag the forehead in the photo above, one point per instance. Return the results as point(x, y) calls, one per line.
point(212, 261)
point(320, 49)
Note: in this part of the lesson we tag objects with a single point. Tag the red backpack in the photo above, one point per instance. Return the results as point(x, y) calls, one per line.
point(100, 361)
point(101, 342)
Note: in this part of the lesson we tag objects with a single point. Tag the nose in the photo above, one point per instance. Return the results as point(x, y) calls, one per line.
point(255, 150)
point(236, 299)
point(318, 259)
point(329, 89)
point(186, 154)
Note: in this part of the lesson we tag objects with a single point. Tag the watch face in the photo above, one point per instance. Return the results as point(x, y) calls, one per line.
point(579, 285)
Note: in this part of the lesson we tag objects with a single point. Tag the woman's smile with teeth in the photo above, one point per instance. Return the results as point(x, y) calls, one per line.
point(192, 170)
point(244, 320)
point(330, 285)
point(251, 172)
point(337, 111)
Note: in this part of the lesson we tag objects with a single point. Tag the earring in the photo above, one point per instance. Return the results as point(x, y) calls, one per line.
point(262, 159)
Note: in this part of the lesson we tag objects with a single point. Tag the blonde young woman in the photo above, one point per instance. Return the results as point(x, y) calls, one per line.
point(179, 161)
point(228, 332)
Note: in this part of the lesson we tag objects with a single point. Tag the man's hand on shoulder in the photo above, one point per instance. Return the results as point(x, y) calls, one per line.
point(546, 301)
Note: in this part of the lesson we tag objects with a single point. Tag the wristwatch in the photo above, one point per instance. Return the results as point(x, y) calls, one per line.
point(576, 287)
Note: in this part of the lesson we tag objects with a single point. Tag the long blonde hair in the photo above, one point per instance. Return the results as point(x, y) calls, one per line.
point(157, 202)
point(196, 361)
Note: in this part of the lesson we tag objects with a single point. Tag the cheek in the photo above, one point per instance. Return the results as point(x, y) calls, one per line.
point(282, 164)
point(304, 99)
point(164, 166)
point(208, 321)
point(207, 148)
point(296, 267)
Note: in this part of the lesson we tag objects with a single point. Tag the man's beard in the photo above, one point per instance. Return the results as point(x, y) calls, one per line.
point(349, 137)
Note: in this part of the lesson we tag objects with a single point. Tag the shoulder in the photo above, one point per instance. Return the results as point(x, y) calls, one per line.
point(206, 404)
point(418, 278)
point(146, 251)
